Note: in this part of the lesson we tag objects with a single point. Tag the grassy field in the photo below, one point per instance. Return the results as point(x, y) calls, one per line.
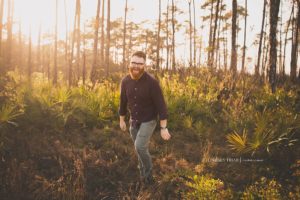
point(231, 139)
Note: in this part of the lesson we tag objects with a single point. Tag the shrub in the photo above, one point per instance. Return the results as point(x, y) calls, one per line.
point(263, 189)
point(204, 187)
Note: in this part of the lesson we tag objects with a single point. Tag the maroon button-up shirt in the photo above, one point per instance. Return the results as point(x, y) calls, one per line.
point(144, 99)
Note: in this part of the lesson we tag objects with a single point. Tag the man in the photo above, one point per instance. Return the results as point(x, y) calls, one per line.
point(143, 96)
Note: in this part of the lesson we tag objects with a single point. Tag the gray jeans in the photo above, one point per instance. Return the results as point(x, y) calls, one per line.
point(141, 138)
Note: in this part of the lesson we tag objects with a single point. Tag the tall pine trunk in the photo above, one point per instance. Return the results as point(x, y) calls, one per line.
point(218, 51)
point(195, 33)
point(29, 62)
point(274, 10)
point(173, 36)
point(71, 71)
point(130, 40)
point(66, 39)
point(245, 36)
point(280, 42)
point(20, 52)
point(200, 47)
point(190, 30)
point(55, 44)
point(257, 66)
point(78, 40)
point(158, 36)
point(94, 71)
point(167, 36)
point(210, 35)
point(233, 62)
point(9, 34)
point(84, 57)
point(102, 35)
point(39, 63)
point(264, 54)
point(1, 26)
point(124, 36)
point(225, 49)
point(286, 40)
point(213, 48)
point(107, 53)
point(295, 43)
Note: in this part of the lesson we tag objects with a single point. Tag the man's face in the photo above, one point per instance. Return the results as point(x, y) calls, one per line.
point(136, 67)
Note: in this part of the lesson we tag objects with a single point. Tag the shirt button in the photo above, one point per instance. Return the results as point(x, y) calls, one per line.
point(136, 112)
point(135, 88)
point(135, 97)
point(135, 105)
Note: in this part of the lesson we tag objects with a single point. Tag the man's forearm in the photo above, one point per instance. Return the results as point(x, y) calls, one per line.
point(122, 118)
point(163, 123)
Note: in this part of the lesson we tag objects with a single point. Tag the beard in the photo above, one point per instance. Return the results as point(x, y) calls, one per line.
point(136, 72)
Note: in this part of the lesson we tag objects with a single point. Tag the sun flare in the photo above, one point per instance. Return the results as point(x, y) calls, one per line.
point(36, 14)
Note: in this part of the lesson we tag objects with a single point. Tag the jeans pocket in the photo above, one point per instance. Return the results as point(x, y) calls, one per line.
point(147, 128)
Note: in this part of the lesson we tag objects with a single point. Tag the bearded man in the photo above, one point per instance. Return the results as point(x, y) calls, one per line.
point(142, 95)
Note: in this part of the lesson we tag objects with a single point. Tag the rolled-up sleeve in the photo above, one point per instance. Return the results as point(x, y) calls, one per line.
point(123, 100)
point(159, 101)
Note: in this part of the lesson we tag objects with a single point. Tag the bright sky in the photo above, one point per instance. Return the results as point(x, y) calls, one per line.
point(34, 13)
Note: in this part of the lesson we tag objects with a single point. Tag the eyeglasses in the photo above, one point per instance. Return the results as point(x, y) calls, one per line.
point(137, 64)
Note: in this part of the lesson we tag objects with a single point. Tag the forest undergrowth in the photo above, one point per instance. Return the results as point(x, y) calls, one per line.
point(231, 139)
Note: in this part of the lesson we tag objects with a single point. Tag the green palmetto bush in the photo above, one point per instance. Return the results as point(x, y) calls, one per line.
point(8, 113)
point(263, 132)
point(189, 100)
point(41, 109)
point(8, 116)
point(82, 110)
point(46, 100)
point(238, 142)
point(187, 122)
point(71, 107)
point(62, 95)
point(109, 99)
point(273, 124)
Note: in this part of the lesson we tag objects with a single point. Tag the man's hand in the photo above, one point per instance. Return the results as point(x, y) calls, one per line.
point(164, 133)
point(123, 125)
